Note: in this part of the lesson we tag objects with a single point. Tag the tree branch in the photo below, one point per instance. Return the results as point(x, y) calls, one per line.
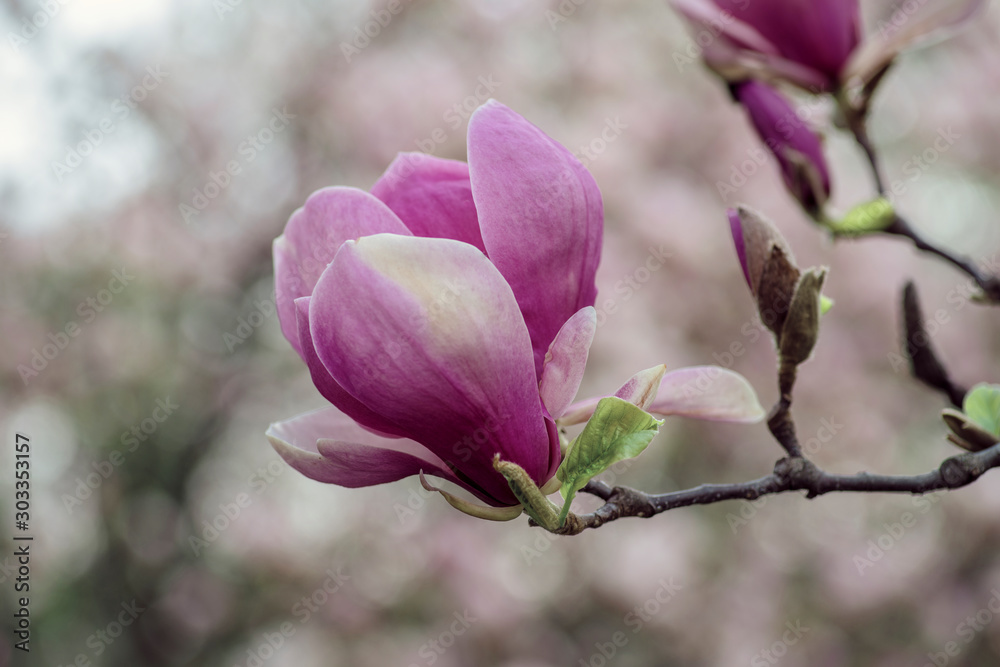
point(790, 474)
point(856, 122)
point(990, 284)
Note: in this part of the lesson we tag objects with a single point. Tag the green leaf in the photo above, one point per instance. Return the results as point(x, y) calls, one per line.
point(617, 431)
point(873, 216)
point(982, 406)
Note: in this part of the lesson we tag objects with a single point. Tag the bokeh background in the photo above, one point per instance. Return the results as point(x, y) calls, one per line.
point(156, 98)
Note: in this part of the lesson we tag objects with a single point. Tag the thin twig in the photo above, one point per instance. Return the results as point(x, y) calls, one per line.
point(790, 474)
point(779, 420)
point(861, 136)
point(856, 123)
point(855, 118)
point(988, 283)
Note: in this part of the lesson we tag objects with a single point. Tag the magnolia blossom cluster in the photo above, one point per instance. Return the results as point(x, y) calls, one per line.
point(817, 46)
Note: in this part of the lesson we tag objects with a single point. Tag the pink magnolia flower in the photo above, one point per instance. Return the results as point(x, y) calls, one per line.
point(447, 315)
point(794, 144)
point(816, 44)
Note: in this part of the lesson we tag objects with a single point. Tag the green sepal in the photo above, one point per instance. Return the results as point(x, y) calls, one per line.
point(618, 430)
point(473, 509)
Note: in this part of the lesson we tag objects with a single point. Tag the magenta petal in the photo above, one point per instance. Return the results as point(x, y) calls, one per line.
point(736, 227)
point(312, 237)
point(555, 448)
point(327, 446)
point(788, 138)
point(566, 361)
point(541, 217)
point(710, 16)
point(427, 333)
point(432, 196)
point(738, 50)
point(328, 387)
point(820, 34)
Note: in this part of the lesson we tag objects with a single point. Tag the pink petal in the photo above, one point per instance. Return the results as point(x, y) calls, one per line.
point(427, 333)
point(328, 387)
point(312, 237)
point(640, 390)
point(432, 196)
point(707, 392)
point(541, 216)
point(327, 446)
point(566, 361)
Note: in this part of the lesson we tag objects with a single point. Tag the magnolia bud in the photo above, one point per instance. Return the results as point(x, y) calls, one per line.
point(794, 144)
point(798, 335)
point(777, 288)
point(754, 235)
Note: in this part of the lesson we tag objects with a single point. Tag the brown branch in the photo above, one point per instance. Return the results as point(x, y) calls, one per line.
point(790, 474)
point(855, 115)
point(990, 284)
point(779, 419)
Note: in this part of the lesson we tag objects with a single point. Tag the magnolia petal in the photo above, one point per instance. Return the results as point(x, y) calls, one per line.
point(736, 228)
point(739, 51)
point(329, 387)
point(709, 15)
point(541, 217)
point(427, 333)
point(312, 237)
point(819, 34)
point(789, 139)
point(640, 390)
point(327, 446)
point(566, 361)
point(472, 509)
point(432, 196)
point(707, 392)
point(933, 20)
point(580, 411)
